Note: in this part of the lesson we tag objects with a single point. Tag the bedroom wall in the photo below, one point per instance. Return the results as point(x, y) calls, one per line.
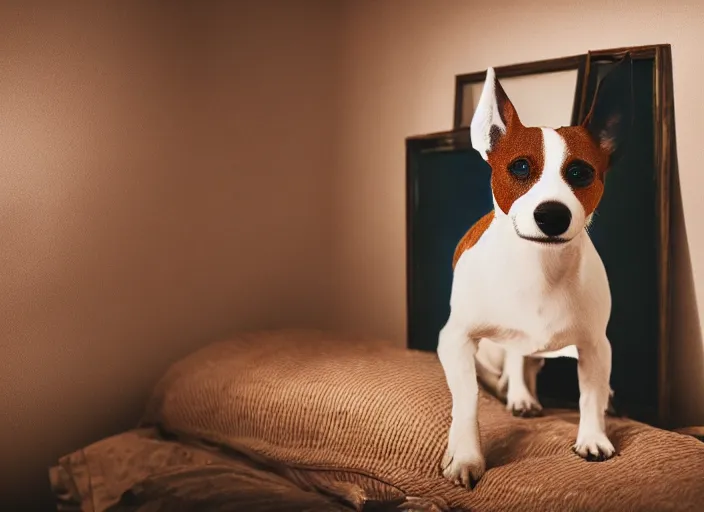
point(174, 171)
point(398, 74)
point(165, 180)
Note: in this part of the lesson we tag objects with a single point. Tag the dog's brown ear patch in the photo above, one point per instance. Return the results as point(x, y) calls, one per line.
point(472, 236)
point(507, 111)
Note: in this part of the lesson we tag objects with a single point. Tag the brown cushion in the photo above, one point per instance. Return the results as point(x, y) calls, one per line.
point(367, 411)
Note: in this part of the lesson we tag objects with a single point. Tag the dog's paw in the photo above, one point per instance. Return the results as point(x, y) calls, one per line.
point(463, 468)
point(594, 447)
point(523, 405)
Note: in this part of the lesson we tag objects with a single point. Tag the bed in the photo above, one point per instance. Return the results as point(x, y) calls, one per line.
point(301, 420)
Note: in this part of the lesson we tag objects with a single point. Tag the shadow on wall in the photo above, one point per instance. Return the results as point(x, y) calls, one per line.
point(149, 204)
point(686, 365)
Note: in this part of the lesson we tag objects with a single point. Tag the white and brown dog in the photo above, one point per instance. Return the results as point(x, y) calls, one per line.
point(527, 278)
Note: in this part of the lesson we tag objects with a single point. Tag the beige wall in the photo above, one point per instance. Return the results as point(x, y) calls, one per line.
point(165, 179)
point(176, 172)
point(400, 59)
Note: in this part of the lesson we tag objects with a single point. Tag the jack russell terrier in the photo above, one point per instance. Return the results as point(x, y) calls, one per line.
point(528, 281)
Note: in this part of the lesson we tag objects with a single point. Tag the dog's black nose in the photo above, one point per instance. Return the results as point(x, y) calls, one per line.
point(553, 218)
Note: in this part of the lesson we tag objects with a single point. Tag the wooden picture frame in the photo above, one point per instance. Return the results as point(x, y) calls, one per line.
point(665, 167)
point(457, 142)
point(538, 67)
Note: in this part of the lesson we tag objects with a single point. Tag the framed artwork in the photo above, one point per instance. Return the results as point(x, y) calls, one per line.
point(448, 189)
point(632, 230)
point(559, 79)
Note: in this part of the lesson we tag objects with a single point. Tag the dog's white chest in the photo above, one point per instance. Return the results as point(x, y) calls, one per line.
point(529, 320)
point(514, 295)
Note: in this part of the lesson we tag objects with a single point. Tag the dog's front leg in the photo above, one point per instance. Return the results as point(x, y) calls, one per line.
point(463, 462)
point(594, 370)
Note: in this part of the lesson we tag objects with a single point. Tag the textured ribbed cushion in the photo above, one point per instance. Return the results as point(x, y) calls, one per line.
point(370, 412)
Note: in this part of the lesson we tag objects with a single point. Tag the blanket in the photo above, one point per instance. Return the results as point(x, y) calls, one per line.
point(308, 420)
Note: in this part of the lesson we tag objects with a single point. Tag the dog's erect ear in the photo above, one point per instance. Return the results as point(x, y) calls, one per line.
point(494, 116)
point(611, 115)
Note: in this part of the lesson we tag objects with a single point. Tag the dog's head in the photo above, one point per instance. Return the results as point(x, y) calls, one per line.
point(549, 181)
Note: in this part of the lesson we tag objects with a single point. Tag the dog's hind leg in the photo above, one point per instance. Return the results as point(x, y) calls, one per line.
point(521, 375)
point(490, 363)
point(532, 368)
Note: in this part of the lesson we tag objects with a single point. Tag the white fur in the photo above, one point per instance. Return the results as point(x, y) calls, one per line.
point(512, 298)
point(486, 115)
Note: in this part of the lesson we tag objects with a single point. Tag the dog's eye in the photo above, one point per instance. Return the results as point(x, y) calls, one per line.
point(579, 175)
point(520, 168)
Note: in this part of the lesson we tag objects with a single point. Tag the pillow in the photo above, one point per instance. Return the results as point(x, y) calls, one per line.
point(336, 409)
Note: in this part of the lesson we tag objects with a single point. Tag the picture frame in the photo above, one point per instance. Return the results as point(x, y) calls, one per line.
point(538, 68)
point(665, 167)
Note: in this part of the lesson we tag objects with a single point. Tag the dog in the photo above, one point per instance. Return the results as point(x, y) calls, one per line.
point(527, 279)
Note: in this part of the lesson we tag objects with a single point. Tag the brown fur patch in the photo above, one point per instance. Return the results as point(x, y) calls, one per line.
point(472, 236)
point(580, 145)
point(517, 142)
